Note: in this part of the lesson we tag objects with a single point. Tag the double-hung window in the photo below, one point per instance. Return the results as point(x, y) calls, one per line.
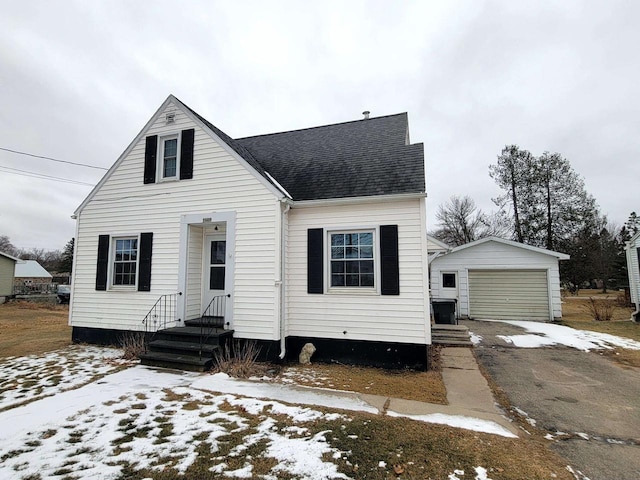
point(125, 261)
point(352, 259)
point(169, 158)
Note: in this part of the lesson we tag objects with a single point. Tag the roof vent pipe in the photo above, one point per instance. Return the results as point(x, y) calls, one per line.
point(366, 114)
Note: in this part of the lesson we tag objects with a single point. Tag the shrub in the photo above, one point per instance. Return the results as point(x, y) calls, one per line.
point(133, 344)
point(238, 359)
point(601, 309)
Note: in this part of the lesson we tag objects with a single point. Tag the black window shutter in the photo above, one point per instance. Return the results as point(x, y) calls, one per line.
point(144, 265)
point(102, 266)
point(186, 154)
point(390, 284)
point(150, 153)
point(315, 262)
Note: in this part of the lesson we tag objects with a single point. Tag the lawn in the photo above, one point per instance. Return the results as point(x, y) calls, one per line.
point(29, 328)
point(575, 314)
point(77, 411)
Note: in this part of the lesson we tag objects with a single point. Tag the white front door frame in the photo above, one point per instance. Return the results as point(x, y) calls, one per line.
point(202, 220)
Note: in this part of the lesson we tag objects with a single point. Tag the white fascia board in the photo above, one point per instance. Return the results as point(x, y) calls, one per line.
point(633, 240)
point(124, 154)
point(438, 242)
point(544, 251)
point(357, 200)
point(198, 122)
point(9, 257)
point(270, 186)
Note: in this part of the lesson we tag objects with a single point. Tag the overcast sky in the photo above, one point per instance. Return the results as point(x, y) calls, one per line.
point(78, 81)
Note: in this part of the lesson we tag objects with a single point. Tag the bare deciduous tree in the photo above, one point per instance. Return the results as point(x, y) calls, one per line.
point(460, 221)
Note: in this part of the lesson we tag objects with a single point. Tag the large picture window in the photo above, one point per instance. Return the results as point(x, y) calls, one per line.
point(352, 259)
point(125, 261)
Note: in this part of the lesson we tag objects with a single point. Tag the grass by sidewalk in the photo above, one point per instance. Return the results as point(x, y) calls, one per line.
point(575, 315)
point(29, 328)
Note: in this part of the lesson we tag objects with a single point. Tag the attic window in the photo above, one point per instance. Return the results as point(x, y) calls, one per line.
point(169, 158)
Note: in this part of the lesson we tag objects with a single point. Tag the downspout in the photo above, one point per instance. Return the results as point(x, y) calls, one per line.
point(285, 206)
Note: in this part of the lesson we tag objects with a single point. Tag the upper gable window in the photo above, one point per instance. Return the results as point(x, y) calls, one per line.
point(169, 158)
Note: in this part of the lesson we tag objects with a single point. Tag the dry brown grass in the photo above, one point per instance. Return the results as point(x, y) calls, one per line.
point(574, 315)
point(407, 384)
point(27, 328)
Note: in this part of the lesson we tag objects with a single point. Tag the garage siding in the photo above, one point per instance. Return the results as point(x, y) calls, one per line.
point(509, 294)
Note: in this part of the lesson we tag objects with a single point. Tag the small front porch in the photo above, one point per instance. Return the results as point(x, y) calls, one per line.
point(191, 346)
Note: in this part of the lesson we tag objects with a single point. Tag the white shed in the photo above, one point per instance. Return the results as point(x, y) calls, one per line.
point(500, 279)
point(633, 268)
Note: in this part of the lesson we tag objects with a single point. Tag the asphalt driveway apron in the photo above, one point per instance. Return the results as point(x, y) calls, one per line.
point(591, 399)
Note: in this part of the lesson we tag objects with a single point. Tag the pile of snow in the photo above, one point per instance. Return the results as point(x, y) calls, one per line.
point(545, 334)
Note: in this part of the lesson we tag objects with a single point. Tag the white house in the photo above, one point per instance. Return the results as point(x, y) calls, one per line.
point(499, 279)
point(632, 250)
point(312, 235)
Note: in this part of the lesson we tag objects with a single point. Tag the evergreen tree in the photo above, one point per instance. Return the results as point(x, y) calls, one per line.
point(66, 261)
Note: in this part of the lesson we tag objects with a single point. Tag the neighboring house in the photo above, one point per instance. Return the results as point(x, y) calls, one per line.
point(500, 279)
point(317, 235)
point(31, 276)
point(632, 249)
point(7, 274)
point(435, 247)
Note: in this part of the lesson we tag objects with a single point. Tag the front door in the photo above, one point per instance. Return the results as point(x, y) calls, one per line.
point(215, 268)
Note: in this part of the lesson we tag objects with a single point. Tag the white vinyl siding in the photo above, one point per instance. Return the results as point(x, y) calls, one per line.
point(358, 314)
point(493, 255)
point(509, 294)
point(633, 269)
point(123, 203)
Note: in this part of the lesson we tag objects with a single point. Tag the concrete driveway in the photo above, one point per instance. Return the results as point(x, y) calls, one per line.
point(583, 394)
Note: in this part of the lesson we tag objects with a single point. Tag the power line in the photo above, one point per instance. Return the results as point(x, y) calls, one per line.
point(25, 173)
point(52, 159)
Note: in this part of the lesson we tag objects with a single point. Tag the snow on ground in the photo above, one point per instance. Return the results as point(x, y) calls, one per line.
point(69, 413)
point(27, 378)
point(152, 419)
point(459, 421)
point(545, 334)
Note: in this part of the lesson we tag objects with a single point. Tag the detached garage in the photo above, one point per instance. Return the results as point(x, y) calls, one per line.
point(500, 279)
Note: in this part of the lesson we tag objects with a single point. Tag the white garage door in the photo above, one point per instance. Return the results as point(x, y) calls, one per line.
point(509, 294)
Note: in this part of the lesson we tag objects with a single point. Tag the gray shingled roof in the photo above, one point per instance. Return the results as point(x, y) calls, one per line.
point(352, 159)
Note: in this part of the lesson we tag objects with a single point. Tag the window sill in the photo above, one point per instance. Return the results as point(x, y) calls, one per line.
point(352, 291)
point(123, 288)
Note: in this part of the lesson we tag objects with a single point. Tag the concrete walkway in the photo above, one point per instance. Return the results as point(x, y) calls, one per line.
point(468, 393)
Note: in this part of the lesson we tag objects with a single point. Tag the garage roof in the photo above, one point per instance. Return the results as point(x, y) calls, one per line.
point(544, 251)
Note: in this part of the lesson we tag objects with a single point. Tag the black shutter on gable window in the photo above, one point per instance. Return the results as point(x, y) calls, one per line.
point(144, 263)
point(102, 266)
point(186, 154)
point(390, 284)
point(150, 154)
point(315, 283)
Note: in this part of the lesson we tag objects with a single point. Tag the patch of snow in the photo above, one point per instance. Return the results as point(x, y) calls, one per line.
point(582, 435)
point(24, 379)
point(546, 334)
point(481, 473)
point(285, 393)
point(382, 464)
point(460, 421)
point(526, 416)
point(475, 339)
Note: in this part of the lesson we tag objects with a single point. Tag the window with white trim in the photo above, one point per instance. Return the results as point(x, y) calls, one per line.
point(169, 158)
point(352, 262)
point(448, 280)
point(125, 261)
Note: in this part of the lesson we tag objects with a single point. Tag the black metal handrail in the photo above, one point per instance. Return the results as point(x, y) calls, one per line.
point(213, 318)
point(162, 313)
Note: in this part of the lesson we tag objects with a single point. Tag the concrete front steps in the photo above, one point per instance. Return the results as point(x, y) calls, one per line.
point(451, 335)
point(181, 348)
